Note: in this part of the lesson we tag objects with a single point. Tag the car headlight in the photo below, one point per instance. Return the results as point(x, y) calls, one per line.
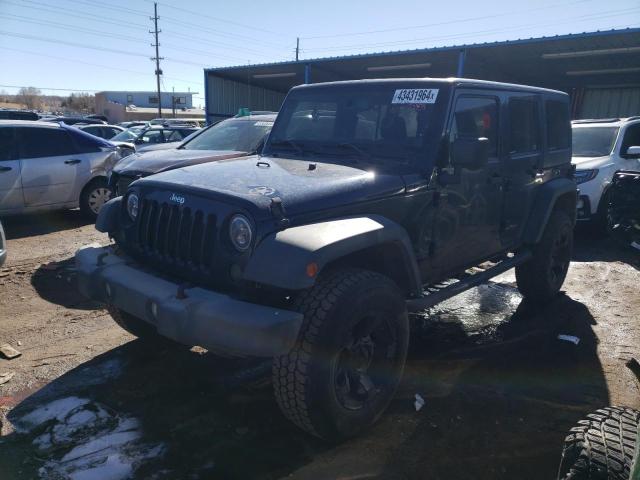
point(582, 176)
point(132, 205)
point(240, 232)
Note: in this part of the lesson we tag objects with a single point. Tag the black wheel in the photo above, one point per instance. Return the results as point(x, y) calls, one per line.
point(94, 195)
point(542, 276)
point(600, 220)
point(133, 325)
point(350, 356)
point(602, 446)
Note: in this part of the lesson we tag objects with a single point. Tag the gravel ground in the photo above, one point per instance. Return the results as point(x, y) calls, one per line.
point(87, 400)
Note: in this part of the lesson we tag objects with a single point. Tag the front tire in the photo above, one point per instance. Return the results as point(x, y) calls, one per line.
point(542, 276)
point(94, 196)
point(602, 446)
point(350, 355)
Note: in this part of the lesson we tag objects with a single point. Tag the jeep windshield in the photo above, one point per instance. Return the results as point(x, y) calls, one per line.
point(240, 135)
point(593, 141)
point(373, 123)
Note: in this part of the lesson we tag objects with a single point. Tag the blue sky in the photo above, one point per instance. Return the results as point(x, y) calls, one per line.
point(95, 45)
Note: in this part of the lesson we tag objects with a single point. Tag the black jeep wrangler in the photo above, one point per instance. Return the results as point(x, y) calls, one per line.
point(370, 200)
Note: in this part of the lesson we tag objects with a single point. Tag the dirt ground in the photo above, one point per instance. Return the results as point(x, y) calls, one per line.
point(88, 401)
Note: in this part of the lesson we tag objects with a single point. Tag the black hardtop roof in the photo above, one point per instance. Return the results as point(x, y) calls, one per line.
point(448, 82)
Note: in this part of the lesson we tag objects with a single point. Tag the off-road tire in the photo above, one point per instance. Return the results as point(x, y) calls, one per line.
point(133, 325)
point(602, 446)
point(305, 380)
point(96, 185)
point(541, 277)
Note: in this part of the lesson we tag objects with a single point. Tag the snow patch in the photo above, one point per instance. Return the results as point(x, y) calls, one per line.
point(87, 441)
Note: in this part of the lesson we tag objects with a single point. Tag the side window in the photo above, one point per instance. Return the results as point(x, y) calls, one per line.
point(173, 136)
point(476, 117)
point(631, 138)
point(524, 126)
point(8, 145)
point(152, 136)
point(558, 125)
point(44, 142)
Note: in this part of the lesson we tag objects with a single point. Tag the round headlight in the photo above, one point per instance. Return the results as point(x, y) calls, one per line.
point(240, 232)
point(132, 205)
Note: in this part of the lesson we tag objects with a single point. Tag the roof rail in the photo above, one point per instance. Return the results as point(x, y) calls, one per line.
point(596, 120)
point(635, 117)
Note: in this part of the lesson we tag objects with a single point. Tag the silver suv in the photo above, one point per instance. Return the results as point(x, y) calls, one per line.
point(49, 166)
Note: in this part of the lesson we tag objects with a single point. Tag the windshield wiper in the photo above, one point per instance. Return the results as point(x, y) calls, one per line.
point(355, 148)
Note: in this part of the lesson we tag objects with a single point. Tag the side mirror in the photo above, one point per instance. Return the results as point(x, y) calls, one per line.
point(633, 152)
point(470, 153)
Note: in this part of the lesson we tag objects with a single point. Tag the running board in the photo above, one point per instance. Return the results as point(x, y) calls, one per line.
point(435, 294)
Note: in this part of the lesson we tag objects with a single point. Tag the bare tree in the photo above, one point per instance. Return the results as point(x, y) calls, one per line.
point(81, 102)
point(30, 97)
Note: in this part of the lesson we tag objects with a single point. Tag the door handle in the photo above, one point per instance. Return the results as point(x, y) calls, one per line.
point(72, 162)
point(5, 169)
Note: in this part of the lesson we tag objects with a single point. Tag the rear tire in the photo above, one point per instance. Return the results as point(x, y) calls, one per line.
point(133, 325)
point(542, 276)
point(602, 446)
point(93, 196)
point(350, 354)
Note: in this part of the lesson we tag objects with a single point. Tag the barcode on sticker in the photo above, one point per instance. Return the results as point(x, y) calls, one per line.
point(415, 95)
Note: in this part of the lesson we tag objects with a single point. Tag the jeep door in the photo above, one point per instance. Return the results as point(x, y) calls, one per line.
point(468, 214)
point(53, 169)
point(11, 199)
point(524, 150)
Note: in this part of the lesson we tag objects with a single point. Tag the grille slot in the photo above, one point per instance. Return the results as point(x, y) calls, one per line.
point(176, 236)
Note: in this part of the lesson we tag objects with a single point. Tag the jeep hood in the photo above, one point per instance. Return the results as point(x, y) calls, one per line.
point(302, 186)
point(588, 163)
point(155, 161)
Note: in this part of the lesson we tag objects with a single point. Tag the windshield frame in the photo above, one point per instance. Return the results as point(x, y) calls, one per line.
point(423, 160)
point(614, 132)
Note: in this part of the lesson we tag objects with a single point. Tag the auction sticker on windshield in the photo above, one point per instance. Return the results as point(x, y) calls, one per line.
point(415, 95)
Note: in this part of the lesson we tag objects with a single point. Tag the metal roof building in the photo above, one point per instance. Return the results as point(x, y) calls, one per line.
point(600, 70)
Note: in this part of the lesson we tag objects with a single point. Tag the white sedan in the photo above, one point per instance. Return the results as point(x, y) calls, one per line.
point(49, 166)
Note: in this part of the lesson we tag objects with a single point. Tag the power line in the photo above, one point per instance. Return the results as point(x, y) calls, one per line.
point(51, 88)
point(599, 15)
point(109, 67)
point(447, 22)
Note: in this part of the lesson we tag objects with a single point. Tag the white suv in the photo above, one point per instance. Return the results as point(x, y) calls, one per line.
point(601, 148)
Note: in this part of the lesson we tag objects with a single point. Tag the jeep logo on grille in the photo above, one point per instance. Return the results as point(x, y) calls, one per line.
point(177, 198)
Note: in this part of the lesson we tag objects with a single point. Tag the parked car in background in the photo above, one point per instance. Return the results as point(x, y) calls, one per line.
point(73, 120)
point(103, 131)
point(49, 166)
point(190, 122)
point(137, 138)
point(600, 149)
point(98, 117)
point(18, 115)
point(133, 124)
point(3, 246)
point(231, 138)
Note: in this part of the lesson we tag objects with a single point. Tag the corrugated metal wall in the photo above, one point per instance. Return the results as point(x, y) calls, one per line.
point(225, 97)
point(610, 102)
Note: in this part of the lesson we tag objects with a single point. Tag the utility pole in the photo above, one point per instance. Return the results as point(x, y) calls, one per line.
point(157, 58)
point(297, 48)
point(173, 101)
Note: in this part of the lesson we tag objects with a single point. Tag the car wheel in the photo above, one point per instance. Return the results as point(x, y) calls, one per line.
point(542, 276)
point(602, 446)
point(350, 354)
point(94, 196)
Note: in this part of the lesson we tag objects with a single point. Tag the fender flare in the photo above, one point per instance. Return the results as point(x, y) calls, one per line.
point(281, 258)
point(543, 205)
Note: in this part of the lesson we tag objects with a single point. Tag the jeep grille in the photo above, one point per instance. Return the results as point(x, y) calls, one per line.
point(176, 235)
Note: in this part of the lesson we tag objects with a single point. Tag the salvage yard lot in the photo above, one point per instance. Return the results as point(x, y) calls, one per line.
point(500, 389)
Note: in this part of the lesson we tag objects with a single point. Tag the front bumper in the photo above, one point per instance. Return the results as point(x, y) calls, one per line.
point(209, 319)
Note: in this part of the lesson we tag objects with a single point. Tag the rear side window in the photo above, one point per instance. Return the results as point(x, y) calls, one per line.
point(44, 142)
point(477, 117)
point(524, 126)
point(558, 125)
point(8, 146)
point(173, 135)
